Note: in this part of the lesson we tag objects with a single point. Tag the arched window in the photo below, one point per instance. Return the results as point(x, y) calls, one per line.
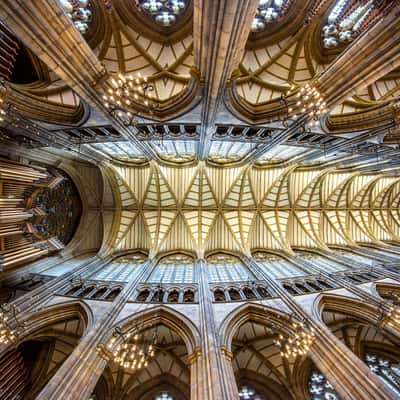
point(248, 393)
point(177, 268)
point(234, 294)
point(321, 389)
point(387, 369)
point(346, 20)
point(269, 11)
point(263, 292)
point(290, 289)
point(188, 296)
point(249, 293)
point(164, 396)
point(219, 295)
point(113, 294)
point(226, 268)
point(143, 295)
point(100, 293)
point(120, 270)
point(173, 296)
point(74, 290)
point(277, 267)
point(163, 12)
point(86, 291)
point(79, 13)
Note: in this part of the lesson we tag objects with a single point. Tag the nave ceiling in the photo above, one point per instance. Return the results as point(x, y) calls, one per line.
point(201, 209)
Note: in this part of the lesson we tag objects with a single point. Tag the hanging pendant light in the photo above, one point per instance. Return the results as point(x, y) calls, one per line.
point(298, 342)
point(125, 90)
point(131, 351)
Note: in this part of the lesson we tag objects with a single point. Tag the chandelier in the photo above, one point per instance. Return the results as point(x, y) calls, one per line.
point(164, 12)
point(8, 335)
point(133, 351)
point(78, 12)
point(298, 343)
point(309, 101)
point(123, 91)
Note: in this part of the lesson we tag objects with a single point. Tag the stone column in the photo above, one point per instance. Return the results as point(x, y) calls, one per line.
point(220, 32)
point(212, 376)
point(78, 376)
point(351, 378)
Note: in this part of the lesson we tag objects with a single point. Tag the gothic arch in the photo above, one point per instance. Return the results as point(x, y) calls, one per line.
point(345, 305)
point(168, 317)
point(250, 311)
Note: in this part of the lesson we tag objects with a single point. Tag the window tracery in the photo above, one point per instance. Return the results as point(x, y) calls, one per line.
point(177, 268)
point(248, 393)
point(121, 270)
point(79, 12)
point(345, 21)
point(386, 369)
point(268, 11)
point(124, 151)
point(320, 388)
point(227, 268)
point(164, 396)
point(276, 266)
point(164, 12)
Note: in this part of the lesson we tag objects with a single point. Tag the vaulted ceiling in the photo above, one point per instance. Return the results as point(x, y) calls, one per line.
point(202, 208)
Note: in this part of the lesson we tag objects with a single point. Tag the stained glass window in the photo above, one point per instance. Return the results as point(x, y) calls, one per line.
point(267, 12)
point(164, 12)
point(388, 370)
point(345, 22)
point(124, 151)
point(78, 12)
point(248, 393)
point(177, 150)
point(320, 388)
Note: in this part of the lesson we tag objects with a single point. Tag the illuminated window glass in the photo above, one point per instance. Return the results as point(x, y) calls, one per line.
point(121, 270)
point(323, 263)
point(277, 267)
point(174, 269)
point(346, 20)
point(78, 12)
point(225, 268)
point(164, 12)
point(268, 11)
point(320, 388)
point(386, 369)
point(248, 393)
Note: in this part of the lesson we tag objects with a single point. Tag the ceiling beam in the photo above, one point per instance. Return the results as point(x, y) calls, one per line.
point(45, 29)
point(221, 29)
